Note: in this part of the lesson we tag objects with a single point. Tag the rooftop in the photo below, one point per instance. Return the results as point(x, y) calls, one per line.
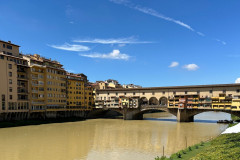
point(174, 87)
point(9, 42)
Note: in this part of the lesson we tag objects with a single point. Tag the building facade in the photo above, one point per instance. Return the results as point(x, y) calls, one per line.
point(47, 84)
point(222, 96)
point(79, 94)
point(36, 87)
point(14, 86)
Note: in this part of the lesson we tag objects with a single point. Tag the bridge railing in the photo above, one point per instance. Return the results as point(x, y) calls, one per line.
point(154, 106)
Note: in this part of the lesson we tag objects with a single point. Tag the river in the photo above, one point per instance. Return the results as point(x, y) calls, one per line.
point(108, 139)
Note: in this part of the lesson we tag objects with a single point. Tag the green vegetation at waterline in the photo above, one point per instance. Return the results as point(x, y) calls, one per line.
point(235, 118)
point(224, 147)
point(18, 123)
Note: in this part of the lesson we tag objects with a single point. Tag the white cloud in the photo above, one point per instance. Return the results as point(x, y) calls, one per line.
point(151, 12)
point(223, 42)
point(121, 45)
point(237, 80)
point(201, 34)
point(156, 14)
point(128, 40)
point(115, 54)
point(174, 64)
point(191, 67)
point(71, 47)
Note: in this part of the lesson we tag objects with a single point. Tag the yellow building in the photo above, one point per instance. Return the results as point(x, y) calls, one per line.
point(89, 97)
point(14, 80)
point(236, 103)
point(47, 84)
point(129, 102)
point(222, 102)
point(75, 92)
point(79, 95)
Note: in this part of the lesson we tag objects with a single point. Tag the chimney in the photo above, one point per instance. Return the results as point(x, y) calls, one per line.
point(9, 42)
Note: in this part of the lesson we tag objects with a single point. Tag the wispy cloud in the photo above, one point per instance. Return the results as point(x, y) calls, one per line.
point(174, 64)
point(201, 34)
point(154, 13)
point(71, 47)
point(223, 42)
point(151, 12)
point(237, 80)
point(191, 67)
point(115, 54)
point(128, 40)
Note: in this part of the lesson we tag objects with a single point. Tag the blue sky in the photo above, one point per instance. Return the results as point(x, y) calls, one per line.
point(145, 42)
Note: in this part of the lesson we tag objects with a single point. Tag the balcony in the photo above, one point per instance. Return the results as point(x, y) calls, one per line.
point(38, 102)
point(35, 78)
point(22, 92)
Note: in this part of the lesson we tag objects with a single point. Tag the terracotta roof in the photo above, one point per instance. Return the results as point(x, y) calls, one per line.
point(173, 87)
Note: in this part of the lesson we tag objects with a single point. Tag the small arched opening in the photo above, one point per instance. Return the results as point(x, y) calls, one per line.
point(153, 101)
point(143, 101)
point(163, 101)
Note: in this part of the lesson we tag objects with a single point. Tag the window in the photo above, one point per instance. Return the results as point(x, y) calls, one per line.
point(210, 91)
point(3, 97)
point(238, 90)
point(125, 93)
point(186, 92)
point(3, 45)
point(174, 92)
point(1, 57)
point(143, 93)
point(224, 91)
point(9, 47)
point(134, 93)
point(108, 93)
point(9, 66)
point(10, 81)
point(10, 89)
point(116, 94)
point(10, 74)
point(198, 92)
point(163, 92)
point(153, 93)
point(10, 96)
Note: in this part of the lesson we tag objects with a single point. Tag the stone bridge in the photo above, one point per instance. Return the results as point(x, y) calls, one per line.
point(182, 114)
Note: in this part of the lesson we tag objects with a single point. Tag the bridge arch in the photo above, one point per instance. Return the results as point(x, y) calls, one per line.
point(103, 113)
point(139, 115)
point(196, 112)
point(143, 101)
point(153, 101)
point(163, 101)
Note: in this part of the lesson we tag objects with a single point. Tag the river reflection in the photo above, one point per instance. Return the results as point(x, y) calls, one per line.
point(107, 139)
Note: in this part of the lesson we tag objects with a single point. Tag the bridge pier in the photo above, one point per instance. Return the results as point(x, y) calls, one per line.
point(132, 114)
point(183, 116)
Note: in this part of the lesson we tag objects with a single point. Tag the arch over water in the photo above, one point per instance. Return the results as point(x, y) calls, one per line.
point(163, 101)
point(196, 112)
point(153, 101)
point(143, 101)
point(101, 113)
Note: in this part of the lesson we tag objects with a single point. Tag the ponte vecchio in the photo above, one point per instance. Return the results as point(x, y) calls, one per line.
point(182, 101)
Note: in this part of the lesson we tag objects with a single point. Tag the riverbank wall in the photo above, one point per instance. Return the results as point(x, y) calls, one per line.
point(14, 116)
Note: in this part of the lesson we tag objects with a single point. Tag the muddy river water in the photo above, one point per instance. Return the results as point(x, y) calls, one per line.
point(108, 139)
